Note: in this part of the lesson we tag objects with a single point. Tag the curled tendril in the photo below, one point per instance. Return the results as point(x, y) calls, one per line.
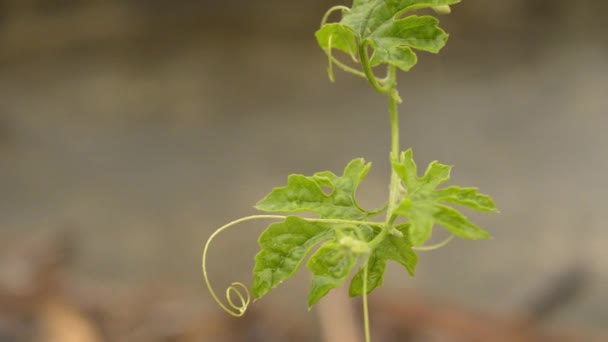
point(436, 246)
point(236, 289)
point(333, 60)
point(244, 300)
point(330, 57)
point(332, 10)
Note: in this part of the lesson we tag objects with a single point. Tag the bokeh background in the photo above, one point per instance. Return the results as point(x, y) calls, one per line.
point(141, 126)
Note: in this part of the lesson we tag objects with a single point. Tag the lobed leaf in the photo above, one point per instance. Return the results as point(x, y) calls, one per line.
point(366, 16)
point(304, 193)
point(284, 246)
point(393, 248)
point(422, 206)
point(330, 266)
point(421, 33)
point(458, 224)
point(380, 24)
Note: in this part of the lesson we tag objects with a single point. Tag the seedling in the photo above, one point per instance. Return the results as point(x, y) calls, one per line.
point(346, 236)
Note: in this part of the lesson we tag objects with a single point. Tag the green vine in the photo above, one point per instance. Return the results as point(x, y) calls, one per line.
point(373, 33)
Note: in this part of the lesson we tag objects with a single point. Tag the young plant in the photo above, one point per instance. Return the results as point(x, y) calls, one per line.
point(373, 33)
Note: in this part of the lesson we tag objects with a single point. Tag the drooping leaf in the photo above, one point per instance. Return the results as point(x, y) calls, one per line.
point(337, 36)
point(330, 266)
point(284, 246)
point(380, 23)
point(422, 206)
point(393, 248)
point(304, 193)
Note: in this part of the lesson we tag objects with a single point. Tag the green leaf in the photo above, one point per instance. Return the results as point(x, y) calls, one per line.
point(467, 197)
point(376, 266)
point(284, 246)
point(330, 266)
point(337, 36)
point(394, 248)
point(392, 37)
point(304, 193)
point(401, 56)
point(422, 206)
point(420, 33)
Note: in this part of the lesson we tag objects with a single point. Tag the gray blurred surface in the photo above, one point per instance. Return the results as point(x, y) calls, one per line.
point(148, 137)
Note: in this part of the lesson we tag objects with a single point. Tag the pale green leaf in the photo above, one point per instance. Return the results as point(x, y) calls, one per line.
point(393, 248)
point(458, 224)
point(468, 197)
point(284, 246)
point(304, 193)
point(330, 266)
point(337, 36)
point(421, 203)
point(376, 266)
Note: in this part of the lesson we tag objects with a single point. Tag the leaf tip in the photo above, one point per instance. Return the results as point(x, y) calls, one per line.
point(442, 9)
point(483, 235)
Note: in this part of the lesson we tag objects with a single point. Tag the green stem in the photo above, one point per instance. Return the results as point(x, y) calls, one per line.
point(378, 239)
point(369, 73)
point(365, 307)
point(393, 100)
point(389, 87)
point(236, 310)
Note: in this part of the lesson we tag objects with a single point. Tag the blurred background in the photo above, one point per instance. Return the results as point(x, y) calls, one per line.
point(130, 130)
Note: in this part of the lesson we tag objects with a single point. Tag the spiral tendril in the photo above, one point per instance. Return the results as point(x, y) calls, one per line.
point(236, 289)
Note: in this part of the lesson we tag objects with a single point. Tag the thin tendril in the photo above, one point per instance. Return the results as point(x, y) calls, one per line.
point(235, 289)
point(238, 289)
point(332, 10)
point(346, 68)
point(436, 246)
point(332, 59)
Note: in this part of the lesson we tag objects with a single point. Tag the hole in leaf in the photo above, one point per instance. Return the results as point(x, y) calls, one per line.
point(328, 190)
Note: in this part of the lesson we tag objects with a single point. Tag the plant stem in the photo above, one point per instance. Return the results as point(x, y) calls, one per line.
point(369, 73)
point(365, 307)
point(388, 87)
point(393, 99)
